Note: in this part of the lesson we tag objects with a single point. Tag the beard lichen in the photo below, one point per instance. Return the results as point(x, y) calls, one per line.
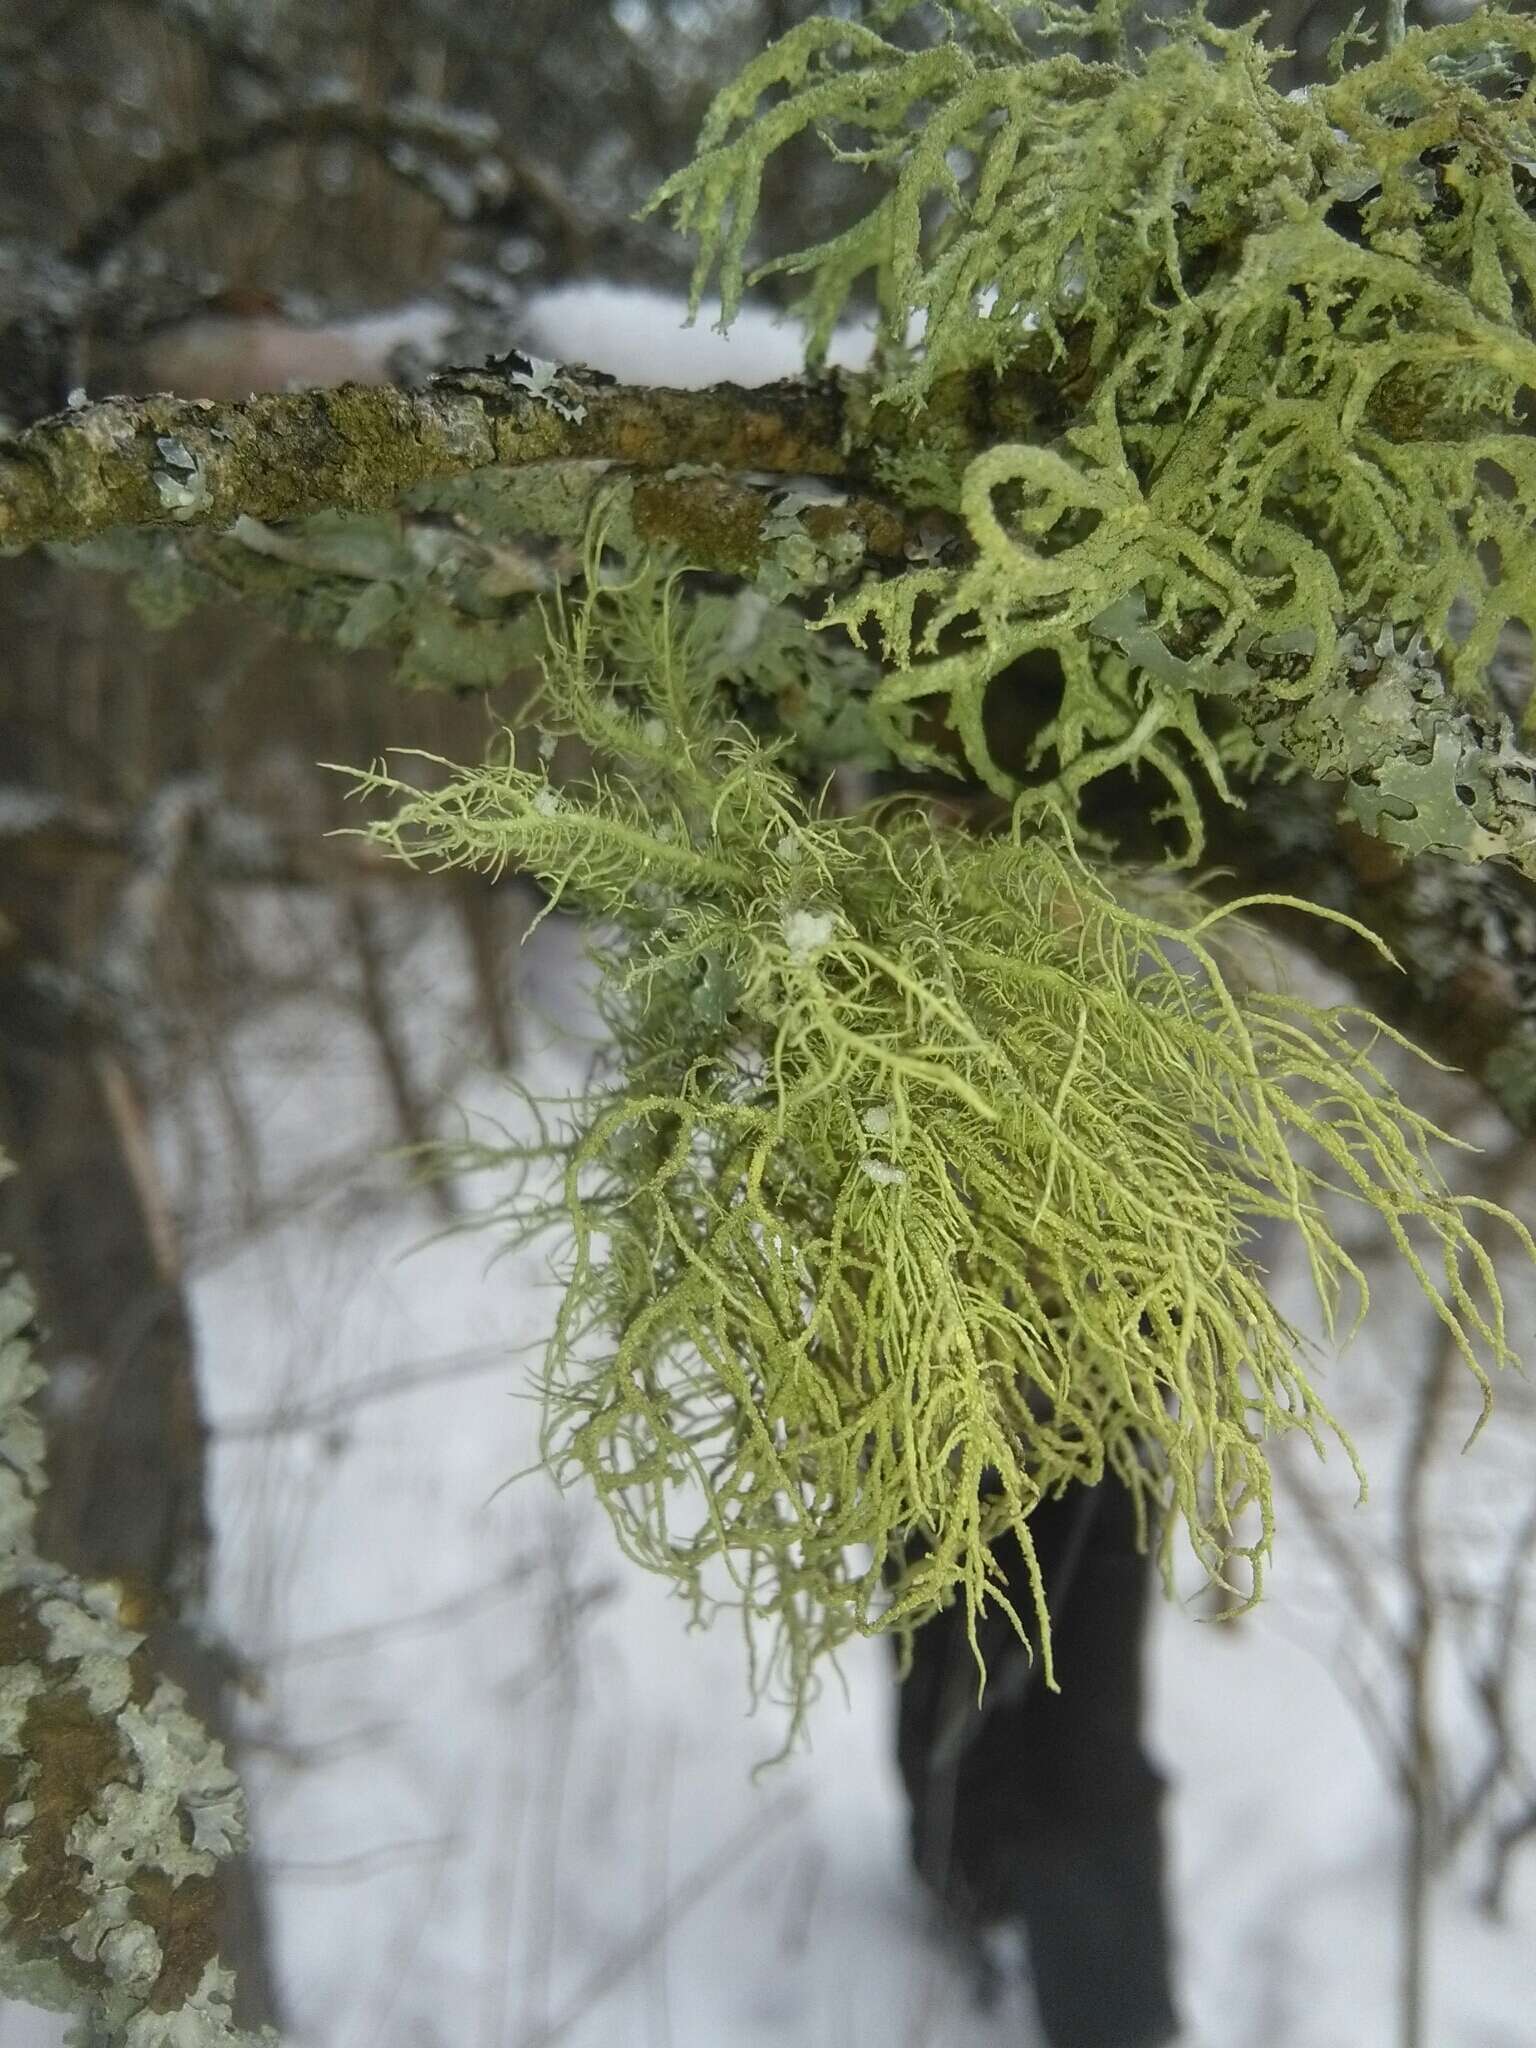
point(919, 1160)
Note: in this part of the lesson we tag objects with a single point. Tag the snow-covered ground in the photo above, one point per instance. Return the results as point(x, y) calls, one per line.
point(631, 333)
point(504, 1797)
point(640, 336)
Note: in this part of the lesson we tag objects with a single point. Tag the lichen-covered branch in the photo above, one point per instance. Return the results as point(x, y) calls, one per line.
point(116, 1807)
point(1422, 766)
point(466, 554)
point(1221, 410)
point(163, 461)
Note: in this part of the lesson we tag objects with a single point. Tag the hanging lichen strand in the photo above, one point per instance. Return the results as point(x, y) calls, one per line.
point(1301, 332)
point(919, 1157)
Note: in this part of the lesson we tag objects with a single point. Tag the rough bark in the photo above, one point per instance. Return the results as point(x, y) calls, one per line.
point(1040, 1808)
point(126, 1451)
point(119, 1807)
point(163, 461)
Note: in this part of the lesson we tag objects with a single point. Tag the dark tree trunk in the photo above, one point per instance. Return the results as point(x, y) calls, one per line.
point(1041, 1809)
point(85, 1219)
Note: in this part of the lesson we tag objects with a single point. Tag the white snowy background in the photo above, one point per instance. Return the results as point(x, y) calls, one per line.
point(503, 1798)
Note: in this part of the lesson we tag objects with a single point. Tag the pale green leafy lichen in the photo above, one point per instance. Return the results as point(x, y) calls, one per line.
point(126, 1950)
point(1305, 337)
point(165, 1804)
point(919, 1157)
point(84, 1629)
point(796, 563)
point(203, 2021)
point(178, 1809)
point(21, 1434)
point(546, 382)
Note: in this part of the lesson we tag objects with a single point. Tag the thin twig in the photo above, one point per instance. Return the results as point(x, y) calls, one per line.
point(378, 1011)
point(405, 139)
point(1423, 1848)
point(366, 1636)
point(299, 1417)
point(754, 1831)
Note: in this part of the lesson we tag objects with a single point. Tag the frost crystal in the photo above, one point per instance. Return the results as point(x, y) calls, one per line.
point(883, 1173)
point(806, 932)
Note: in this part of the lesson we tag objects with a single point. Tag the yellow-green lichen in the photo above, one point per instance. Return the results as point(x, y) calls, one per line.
point(1307, 329)
point(918, 1157)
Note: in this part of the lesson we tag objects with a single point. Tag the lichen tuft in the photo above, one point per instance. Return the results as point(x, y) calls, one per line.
point(918, 1157)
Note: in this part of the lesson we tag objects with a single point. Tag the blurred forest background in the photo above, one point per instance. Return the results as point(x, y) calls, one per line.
point(216, 195)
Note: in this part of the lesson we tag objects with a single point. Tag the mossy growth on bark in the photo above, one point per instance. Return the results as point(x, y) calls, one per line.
point(918, 1156)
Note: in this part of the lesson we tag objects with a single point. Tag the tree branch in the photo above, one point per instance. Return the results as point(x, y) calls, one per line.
point(163, 461)
point(462, 466)
point(457, 160)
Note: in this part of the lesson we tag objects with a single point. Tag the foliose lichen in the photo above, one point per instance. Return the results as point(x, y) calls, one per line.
point(1303, 330)
point(116, 1797)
